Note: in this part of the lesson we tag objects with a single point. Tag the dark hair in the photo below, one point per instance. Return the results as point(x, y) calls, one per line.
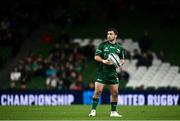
point(114, 30)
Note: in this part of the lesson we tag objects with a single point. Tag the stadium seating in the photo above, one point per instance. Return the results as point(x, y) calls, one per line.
point(137, 76)
point(97, 41)
point(176, 82)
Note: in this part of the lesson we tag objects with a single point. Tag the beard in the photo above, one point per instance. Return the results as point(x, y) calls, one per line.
point(110, 39)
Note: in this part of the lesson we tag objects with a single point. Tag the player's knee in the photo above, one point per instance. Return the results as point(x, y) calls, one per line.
point(114, 94)
point(98, 93)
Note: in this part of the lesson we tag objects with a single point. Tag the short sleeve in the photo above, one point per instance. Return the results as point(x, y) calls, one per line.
point(99, 50)
point(122, 53)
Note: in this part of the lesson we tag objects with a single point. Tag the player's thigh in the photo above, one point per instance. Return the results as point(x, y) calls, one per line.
point(114, 88)
point(99, 86)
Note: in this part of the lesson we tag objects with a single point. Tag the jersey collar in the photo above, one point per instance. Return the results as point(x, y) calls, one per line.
point(112, 42)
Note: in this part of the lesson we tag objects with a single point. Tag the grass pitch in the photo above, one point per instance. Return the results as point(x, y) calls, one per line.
point(80, 112)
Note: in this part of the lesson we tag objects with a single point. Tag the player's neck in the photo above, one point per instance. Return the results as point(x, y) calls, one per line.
point(112, 42)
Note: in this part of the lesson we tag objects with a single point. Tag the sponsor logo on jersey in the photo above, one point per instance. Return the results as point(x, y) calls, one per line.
point(118, 50)
point(111, 47)
point(106, 49)
point(99, 80)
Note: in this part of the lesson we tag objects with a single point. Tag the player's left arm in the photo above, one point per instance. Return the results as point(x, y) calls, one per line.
point(122, 56)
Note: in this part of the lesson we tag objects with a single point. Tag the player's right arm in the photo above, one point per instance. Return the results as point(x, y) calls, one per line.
point(99, 59)
point(99, 54)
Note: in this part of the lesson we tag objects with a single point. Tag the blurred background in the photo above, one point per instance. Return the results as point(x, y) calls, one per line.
point(49, 45)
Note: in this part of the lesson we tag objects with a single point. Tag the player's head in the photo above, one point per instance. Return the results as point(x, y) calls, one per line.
point(111, 34)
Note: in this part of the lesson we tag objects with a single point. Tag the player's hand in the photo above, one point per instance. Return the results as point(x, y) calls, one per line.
point(122, 62)
point(107, 62)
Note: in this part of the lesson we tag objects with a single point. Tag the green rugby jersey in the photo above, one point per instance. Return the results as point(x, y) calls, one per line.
point(108, 72)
